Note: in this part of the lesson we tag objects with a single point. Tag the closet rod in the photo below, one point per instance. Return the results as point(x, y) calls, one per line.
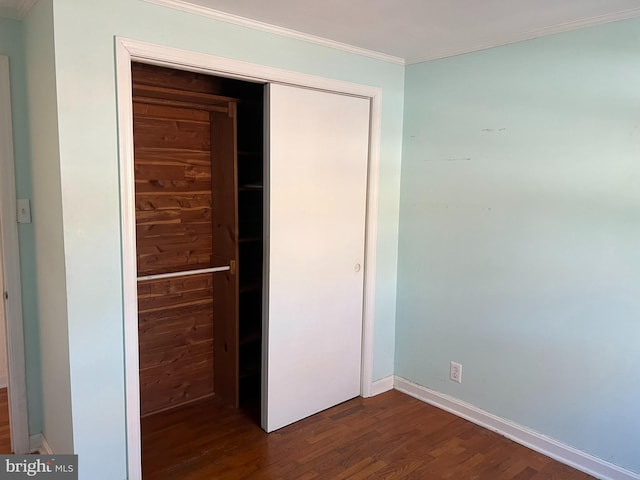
point(185, 273)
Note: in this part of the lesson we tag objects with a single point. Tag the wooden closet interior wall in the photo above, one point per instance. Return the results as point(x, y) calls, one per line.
point(198, 174)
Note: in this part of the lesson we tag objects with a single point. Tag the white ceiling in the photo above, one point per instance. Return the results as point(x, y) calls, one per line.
point(418, 30)
point(402, 30)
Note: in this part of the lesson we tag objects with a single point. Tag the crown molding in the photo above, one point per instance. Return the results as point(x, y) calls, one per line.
point(531, 34)
point(267, 27)
point(24, 7)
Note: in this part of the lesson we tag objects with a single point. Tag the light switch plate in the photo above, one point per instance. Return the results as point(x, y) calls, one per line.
point(24, 210)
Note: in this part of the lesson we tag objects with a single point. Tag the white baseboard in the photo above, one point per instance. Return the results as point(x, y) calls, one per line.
point(3, 381)
point(38, 443)
point(525, 436)
point(383, 385)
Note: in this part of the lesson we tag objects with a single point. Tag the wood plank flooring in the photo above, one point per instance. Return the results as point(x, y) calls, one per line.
point(5, 437)
point(391, 436)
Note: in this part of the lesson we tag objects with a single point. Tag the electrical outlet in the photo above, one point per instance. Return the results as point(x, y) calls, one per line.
point(455, 372)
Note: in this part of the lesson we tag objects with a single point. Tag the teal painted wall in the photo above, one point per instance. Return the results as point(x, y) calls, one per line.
point(518, 221)
point(519, 234)
point(86, 102)
point(12, 45)
point(48, 228)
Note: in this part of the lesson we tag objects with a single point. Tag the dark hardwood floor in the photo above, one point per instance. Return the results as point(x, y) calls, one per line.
point(5, 437)
point(391, 436)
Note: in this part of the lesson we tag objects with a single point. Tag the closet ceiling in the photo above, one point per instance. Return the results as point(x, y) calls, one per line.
point(405, 30)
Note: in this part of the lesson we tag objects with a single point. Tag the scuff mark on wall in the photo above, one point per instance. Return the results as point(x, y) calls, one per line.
point(451, 159)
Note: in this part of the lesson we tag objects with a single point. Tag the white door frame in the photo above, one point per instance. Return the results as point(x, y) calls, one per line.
point(128, 50)
point(10, 264)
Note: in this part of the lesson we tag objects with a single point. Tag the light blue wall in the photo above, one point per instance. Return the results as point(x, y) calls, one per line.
point(85, 76)
point(48, 228)
point(12, 45)
point(520, 233)
point(518, 223)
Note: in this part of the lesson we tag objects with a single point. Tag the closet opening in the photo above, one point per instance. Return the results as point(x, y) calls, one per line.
point(199, 171)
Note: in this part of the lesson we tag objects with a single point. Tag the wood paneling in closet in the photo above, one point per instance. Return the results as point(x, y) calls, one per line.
point(173, 188)
point(173, 169)
point(175, 322)
point(186, 175)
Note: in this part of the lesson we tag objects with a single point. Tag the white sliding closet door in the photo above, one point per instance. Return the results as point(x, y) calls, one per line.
point(317, 186)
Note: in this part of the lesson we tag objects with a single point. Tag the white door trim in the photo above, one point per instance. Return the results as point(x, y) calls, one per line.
point(128, 50)
point(11, 272)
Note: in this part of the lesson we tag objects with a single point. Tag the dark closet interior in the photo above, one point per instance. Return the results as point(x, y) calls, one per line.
point(198, 143)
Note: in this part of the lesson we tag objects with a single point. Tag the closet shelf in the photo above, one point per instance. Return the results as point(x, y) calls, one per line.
point(249, 239)
point(250, 153)
point(250, 371)
point(250, 338)
point(250, 287)
point(249, 187)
